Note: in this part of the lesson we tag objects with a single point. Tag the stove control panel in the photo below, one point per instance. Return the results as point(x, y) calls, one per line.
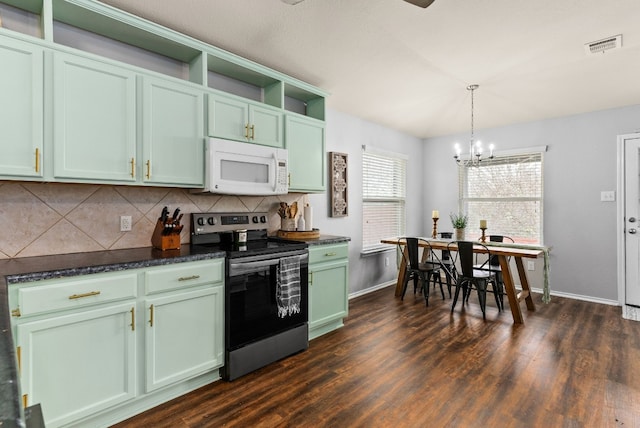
point(205, 223)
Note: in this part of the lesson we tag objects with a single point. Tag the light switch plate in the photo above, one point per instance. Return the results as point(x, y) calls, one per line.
point(608, 196)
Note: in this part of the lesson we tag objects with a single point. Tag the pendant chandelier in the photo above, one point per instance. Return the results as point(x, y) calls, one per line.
point(475, 147)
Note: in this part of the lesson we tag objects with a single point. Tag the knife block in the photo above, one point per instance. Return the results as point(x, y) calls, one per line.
point(164, 242)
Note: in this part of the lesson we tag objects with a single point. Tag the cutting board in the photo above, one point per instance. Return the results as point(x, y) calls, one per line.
point(306, 234)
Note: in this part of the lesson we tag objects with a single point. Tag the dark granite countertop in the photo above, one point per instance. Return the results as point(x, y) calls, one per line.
point(58, 266)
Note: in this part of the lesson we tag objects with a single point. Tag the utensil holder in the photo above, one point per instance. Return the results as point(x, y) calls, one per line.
point(165, 241)
point(288, 224)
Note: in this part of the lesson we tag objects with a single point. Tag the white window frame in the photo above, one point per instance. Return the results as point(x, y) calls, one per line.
point(473, 230)
point(394, 193)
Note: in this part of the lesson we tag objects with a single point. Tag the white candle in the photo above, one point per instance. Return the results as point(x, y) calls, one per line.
point(435, 214)
point(483, 224)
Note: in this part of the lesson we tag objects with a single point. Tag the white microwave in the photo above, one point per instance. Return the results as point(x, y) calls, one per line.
point(235, 168)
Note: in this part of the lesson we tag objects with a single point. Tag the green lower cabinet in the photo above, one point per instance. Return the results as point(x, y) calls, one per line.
point(176, 347)
point(305, 142)
point(328, 288)
point(78, 364)
point(97, 349)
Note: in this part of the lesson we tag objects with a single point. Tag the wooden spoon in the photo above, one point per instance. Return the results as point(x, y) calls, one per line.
point(294, 209)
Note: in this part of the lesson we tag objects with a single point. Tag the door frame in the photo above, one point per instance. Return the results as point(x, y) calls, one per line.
point(628, 312)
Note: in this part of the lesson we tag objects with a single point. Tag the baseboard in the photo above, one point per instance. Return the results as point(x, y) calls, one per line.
point(371, 289)
point(577, 297)
point(632, 312)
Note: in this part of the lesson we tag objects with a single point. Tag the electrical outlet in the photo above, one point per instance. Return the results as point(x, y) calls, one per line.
point(125, 223)
point(386, 261)
point(608, 196)
point(531, 265)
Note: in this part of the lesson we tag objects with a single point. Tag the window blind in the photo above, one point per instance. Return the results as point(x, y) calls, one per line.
point(506, 191)
point(383, 197)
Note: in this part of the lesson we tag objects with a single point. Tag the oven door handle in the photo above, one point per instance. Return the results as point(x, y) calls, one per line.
point(233, 267)
point(247, 267)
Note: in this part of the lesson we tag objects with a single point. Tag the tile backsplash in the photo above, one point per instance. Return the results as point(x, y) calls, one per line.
point(58, 218)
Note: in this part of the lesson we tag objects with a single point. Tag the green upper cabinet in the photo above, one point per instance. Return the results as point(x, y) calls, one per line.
point(305, 141)
point(21, 107)
point(235, 118)
point(94, 120)
point(172, 133)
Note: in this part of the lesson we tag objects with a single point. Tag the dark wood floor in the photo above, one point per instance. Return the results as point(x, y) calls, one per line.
point(399, 364)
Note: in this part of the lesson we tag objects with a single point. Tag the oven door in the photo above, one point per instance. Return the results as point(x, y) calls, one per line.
point(251, 310)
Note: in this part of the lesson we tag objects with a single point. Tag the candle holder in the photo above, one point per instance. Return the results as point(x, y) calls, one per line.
point(434, 232)
point(483, 238)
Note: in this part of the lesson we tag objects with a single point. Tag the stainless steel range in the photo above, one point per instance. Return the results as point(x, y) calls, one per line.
point(266, 289)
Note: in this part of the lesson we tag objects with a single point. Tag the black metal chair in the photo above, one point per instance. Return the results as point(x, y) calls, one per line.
point(419, 271)
point(492, 264)
point(470, 278)
point(447, 263)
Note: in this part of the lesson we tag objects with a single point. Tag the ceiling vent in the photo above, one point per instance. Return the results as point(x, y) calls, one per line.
point(600, 46)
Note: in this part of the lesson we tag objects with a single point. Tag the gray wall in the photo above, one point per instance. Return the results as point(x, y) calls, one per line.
point(581, 161)
point(347, 134)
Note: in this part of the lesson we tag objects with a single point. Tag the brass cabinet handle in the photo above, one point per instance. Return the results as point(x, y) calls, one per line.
point(253, 132)
point(148, 169)
point(15, 312)
point(19, 356)
point(25, 400)
point(133, 319)
point(289, 178)
point(246, 131)
point(151, 316)
point(329, 254)
point(133, 168)
point(188, 278)
point(80, 296)
point(37, 159)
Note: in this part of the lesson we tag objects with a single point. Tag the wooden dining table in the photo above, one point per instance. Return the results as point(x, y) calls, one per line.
point(503, 252)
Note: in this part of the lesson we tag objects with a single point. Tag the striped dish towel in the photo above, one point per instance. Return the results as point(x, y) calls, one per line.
point(288, 287)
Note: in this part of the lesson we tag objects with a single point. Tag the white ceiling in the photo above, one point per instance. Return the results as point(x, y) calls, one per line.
point(405, 67)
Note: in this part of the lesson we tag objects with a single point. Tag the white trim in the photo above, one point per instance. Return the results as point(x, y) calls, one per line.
point(620, 249)
point(630, 313)
point(382, 152)
point(371, 289)
point(580, 297)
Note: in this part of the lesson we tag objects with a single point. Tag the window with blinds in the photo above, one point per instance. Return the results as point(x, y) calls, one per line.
point(507, 192)
point(383, 197)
